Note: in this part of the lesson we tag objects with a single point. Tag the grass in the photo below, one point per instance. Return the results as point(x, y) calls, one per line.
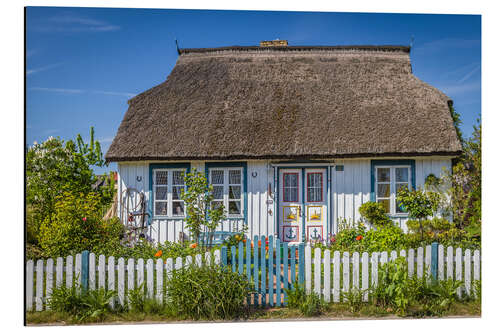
point(334, 311)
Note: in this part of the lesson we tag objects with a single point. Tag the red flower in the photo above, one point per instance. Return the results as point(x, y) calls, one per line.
point(84, 219)
point(158, 254)
point(359, 238)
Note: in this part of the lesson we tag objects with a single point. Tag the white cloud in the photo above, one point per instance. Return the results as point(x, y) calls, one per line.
point(74, 23)
point(447, 43)
point(115, 93)
point(41, 69)
point(455, 89)
point(58, 90)
point(469, 74)
point(81, 91)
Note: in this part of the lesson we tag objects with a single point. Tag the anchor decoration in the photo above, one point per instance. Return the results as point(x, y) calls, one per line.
point(290, 233)
point(315, 233)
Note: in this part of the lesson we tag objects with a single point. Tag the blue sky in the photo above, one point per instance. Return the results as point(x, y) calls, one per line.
point(83, 64)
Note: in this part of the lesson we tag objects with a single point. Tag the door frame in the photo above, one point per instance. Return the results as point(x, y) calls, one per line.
point(303, 167)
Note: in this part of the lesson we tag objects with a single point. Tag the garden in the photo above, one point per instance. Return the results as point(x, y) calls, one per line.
point(66, 213)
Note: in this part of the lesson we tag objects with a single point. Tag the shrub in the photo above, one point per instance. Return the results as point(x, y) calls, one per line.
point(374, 213)
point(384, 239)
point(413, 295)
point(54, 167)
point(349, 237)
point(309, 305)
point(91, 305)
point(77, 226)
point(208, 292)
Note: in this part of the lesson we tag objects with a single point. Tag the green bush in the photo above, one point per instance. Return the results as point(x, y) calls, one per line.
point(208, 292)
point(374, 213)
point(84, 306)
point(413, 296)
point(384, 239)
point(77, 225)
point(309, 305)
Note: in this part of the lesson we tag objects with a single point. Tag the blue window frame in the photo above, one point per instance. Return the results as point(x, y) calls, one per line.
point(166, 181)
point(387, 176)
point(229, 180)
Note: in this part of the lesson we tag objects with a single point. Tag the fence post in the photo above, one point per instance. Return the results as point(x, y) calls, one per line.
point(434, 260)
point(85, 270)
point(301, 263)
point(223, 254)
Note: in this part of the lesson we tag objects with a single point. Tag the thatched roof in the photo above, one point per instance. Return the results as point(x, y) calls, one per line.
point(287, 102)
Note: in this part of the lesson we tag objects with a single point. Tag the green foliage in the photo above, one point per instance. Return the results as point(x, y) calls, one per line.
point(354, 298)
point(419, 204)
point(374, 213)
point(465, 188)
point(198, 199)
point(208, 292)
point(55, 167)
point(413, 295)
point(308, 304)
point(349, 236)
point(76, 225)
point(85, 306)
point(384, 239)
point(393, 288)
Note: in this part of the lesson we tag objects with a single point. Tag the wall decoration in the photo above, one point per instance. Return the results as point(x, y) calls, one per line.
point(314, 214)
point(291, 233)
point(291, 214)
point(314, 233)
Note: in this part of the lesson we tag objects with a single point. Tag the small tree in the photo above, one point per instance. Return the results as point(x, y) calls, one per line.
point(198, 200)
point(374, 213)
point(419, 204)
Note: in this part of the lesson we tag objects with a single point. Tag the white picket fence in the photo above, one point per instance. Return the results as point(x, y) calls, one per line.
point(105, 273)
point(359, 272)
point(326, 274)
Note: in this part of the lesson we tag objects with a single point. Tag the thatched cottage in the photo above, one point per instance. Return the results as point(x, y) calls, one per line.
point(293, 138)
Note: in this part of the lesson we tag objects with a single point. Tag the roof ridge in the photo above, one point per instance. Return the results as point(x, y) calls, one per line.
point(383, 48)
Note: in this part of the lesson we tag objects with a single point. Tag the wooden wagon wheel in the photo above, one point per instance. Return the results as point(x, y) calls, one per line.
point(134, 214)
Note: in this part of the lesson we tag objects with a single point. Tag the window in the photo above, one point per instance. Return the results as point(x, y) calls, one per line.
point(168, 185)
point(227, 189)
point(388, 181)
point(290, 187)
point(314, 187)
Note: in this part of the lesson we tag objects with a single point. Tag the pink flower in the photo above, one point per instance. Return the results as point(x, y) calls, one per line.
point(85, 219)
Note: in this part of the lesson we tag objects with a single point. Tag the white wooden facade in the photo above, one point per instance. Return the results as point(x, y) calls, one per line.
point(349, 186)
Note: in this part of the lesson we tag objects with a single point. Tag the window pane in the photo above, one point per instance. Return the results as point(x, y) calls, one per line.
point(386, 204)
point(161, 177)
point(291, 179)
point(178, 208)
point(291, 195)
point(383, 190)
point(160, 208)
point(383, 175)
point(314, 194)
point(176, 192)
point(234, 176)
point(217, 177)
point(401, 174)
point(234, 207)
point(178, 177)
point(234, 192)
point(161, 193)
point(218, 192)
